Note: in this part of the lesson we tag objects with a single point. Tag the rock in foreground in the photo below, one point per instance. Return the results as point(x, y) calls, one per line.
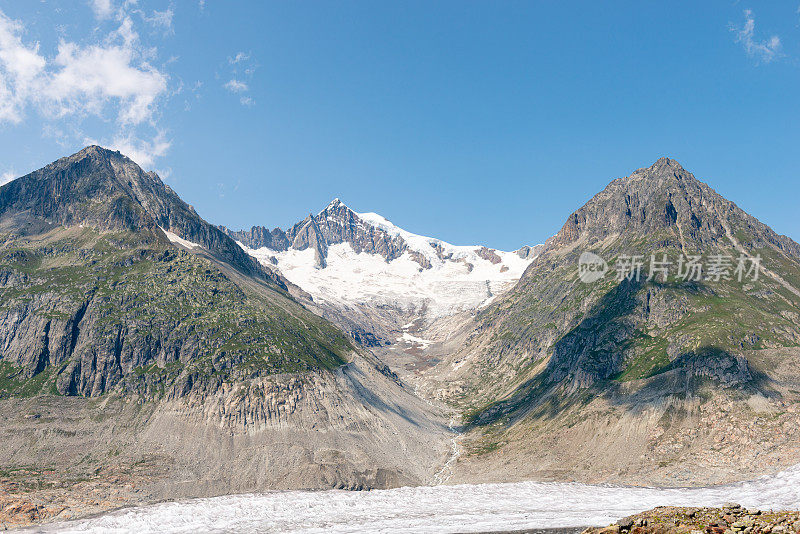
point(730, 519)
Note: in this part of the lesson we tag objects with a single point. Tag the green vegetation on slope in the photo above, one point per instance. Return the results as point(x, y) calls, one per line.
point(152, 315)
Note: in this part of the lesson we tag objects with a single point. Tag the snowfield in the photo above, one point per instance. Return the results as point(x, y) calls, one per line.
point(464, 281)
point(465, 508)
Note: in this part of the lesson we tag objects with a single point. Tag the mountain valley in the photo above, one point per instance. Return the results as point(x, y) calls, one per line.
point(390, 290)
point(628, 380)
point(149, 355)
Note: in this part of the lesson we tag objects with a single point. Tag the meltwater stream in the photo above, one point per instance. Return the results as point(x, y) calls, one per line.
point(464, 508)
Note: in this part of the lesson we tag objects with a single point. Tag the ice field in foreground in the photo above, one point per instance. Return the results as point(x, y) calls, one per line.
point(464, 508)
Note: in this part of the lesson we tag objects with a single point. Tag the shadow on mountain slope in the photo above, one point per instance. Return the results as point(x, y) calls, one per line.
point(592, 358)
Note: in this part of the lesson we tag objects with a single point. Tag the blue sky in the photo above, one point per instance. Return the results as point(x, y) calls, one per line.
point(474, 122)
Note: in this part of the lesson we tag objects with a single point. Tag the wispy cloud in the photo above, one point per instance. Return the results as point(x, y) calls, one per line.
point(241, 68)
point(763, 50)
point(161, 20)
point(112, 78)
point(238, 58)
point(195, 95)
point(236, 86)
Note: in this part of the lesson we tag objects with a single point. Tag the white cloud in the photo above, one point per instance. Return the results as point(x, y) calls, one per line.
point(144, 153)
point(103, 9)
point(7, 176)
point(236, 86)
point(238, 58)
point(766, 50)
point(20, 69)
point(80, 79)
point(247, 101)
point(89, 77)
point(112, 79)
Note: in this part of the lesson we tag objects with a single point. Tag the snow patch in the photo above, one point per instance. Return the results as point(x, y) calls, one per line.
point(175, 238)
point(414, 340)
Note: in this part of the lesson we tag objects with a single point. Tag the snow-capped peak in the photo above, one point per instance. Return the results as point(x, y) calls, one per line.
point(341, 256)
point(335, 203)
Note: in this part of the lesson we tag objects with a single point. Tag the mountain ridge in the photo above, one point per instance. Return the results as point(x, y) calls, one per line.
point(337, 223)
point(666, 173)
point(146, 344)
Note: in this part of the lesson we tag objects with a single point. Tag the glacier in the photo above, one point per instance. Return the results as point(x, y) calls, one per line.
point(448, 287)
point(431, 509)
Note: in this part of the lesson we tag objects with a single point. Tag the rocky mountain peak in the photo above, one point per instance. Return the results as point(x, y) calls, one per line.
point(363, 232)
point(649, 202)
point(58, 193)
point(665, 163)
point(336, 208)
point(632, 339)
point(103, 189)
point(338, 213)
point(337, 223)
point(664, 172)
point(96, 151)
point(335, 203)
point(90, 274)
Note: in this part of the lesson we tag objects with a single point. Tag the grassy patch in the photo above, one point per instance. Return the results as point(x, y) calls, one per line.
point(650, 358)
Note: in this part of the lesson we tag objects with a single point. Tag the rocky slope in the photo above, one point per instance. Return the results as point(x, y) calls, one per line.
point(138, 337)
point(648, 380)
point(352, 428)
